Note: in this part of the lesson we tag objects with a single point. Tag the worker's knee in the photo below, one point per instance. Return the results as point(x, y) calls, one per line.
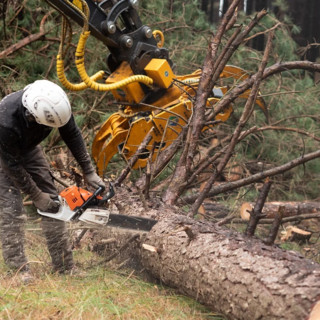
point(11, 211)
point(53, 226)
point(55, 232)
point(12, 236)
point(10, 201)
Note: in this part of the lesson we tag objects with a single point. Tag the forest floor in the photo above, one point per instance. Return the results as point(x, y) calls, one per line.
point(103, 291)
point(96, 292)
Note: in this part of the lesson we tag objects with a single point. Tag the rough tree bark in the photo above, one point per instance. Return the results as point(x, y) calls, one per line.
point(233, 274)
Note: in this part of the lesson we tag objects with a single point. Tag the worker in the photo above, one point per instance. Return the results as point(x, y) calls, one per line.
point(26, 119)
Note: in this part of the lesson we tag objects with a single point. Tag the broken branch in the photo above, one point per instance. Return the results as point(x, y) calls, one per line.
point(256, 213)
point(27, 40)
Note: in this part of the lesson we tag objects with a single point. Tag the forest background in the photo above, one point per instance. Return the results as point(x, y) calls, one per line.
point(292, 99)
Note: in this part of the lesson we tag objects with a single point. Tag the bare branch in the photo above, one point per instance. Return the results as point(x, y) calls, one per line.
point(297, 130)
point(134, 158)
point(263, 32)
point(229, 186)
point(27, 40)
point(256, 213)
point(243, 120)
point(275, 227)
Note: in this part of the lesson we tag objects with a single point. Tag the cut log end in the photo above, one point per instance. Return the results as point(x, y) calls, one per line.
point(149, 248)
point(315, 312)
point(245, 210)
point(295, 234)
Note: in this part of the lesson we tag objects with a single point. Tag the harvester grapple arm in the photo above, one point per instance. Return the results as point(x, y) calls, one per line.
point(141, 79)
point(119, 27)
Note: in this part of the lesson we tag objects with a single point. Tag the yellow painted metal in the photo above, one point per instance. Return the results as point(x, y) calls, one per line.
point(110, 149)
point(167, 115)
point(130, 93)
point(105, 144)
point(234, 72)
point(167, 126)
point(160, 71)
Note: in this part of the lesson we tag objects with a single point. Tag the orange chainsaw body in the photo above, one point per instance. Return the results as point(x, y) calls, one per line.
point(76, 196)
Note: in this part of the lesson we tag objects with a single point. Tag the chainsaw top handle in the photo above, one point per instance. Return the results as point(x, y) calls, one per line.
point(108, 196)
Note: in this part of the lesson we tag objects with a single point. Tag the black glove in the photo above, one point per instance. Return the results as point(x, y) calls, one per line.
point(94, 180)
point(44, 202)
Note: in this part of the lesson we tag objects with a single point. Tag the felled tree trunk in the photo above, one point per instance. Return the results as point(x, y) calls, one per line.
point(238, 276)
point(291, 208)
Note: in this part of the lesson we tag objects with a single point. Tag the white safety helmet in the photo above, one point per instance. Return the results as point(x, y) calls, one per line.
point(47, 102)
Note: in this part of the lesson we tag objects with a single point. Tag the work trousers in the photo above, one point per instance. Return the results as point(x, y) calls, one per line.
point(12, 218)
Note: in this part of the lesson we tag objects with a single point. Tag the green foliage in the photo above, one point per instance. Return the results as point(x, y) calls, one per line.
point(281, 5)
point(29, 62)
point(281, 50)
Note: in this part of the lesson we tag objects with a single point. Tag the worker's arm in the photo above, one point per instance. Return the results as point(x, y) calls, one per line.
point(72, 136)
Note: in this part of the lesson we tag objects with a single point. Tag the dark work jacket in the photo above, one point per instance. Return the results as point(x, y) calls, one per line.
point(18, 136)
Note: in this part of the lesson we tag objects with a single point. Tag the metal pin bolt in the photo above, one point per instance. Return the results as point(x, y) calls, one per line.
point(147, 32)
point(111, 27)
point(127, 41)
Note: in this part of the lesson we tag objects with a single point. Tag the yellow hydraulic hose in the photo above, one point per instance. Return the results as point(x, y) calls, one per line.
point(157, 34)
point(71, 86)
point(60, 61)
point(87, 81)
point(101, 86)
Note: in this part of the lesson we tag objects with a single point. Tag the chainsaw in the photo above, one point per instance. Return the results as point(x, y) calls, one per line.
point(77, 204)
